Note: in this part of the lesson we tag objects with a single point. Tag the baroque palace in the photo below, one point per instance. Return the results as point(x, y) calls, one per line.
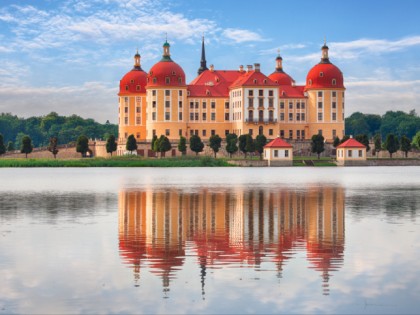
point(241, 101)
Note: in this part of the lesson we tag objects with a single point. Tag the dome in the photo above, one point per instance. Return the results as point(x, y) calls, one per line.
point(324, 74)
point(281, 78)
point(135, 80)
point(166, 72)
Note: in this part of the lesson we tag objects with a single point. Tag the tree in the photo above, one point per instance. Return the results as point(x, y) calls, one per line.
point(182, 145)
point(317, 144)
point(377, 140)
point(52, 147)
point(405, 145)
point(26, 146)
point(162, 145)
point(231, 143)
point(2, 146)
point(196, 145)
point(152, 145)
point(215, 144)
point(260, 142)
point(363, 139)
point(82, 145)
point(345, 138)
point(416, 140)
point(10, 146)
point(131, 144)
point(249, 145)
point(336, 142)
point(111, 144)
point(391, 144)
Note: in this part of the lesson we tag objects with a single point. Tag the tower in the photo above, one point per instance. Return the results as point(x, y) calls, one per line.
point(203, 62)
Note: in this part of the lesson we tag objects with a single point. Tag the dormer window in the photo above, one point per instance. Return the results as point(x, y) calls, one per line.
point(265, 81)
point(173, 72)
point(132, 81)
point(321, 74)
point(207, 92)
point(126, 87)
point(151, 72)
point(137, 87)
point(180, 80)
point(167, 80)
point(276, 81)
point(255, 81)
point(188, 93)
point(154, 80)
point(334, 82)
point(310, 82)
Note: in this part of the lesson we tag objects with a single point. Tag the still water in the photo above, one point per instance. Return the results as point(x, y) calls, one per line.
point(210, 240)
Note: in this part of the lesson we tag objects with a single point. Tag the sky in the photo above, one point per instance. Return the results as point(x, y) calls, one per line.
point(68, 56)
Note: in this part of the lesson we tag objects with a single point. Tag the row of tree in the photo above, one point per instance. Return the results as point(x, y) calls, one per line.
point(398, 123)
point(42, 129)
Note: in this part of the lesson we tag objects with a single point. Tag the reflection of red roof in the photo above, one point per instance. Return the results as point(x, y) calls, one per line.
point(351, 143)
point(278, 143)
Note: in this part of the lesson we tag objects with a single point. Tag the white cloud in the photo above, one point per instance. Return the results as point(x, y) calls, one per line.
point(241, 35)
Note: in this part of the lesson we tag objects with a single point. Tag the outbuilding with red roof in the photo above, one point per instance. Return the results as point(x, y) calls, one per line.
point(278, 153)
point(351, 153)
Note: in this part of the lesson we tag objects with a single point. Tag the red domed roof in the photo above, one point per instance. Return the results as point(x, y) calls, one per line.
point(166, 73)
point(281, 77)
point(324, 75)
point(133, 81)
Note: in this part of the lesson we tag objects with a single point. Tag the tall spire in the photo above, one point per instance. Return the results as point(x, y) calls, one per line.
point(203, 62)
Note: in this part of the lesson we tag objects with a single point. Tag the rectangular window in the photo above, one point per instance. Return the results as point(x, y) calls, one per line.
point(290, 116)
point(191, 116)
point(167, 116)
point(251, 93)
point(302, 105)
point(167, 132)
point(298, 105)
point(320, 116)
point(260, 92)
point(270, 132)
point(334, 116)
point(270, 102)
point(180, 92)
point(320, 105)
point(196, 104)
point(196, 116)
point(360, 153)
point(282, 116)
point(213, 105)
point(154, 104)
point(204, 116)
point(180, 104)
point(281, 105)
point(250, 131)
point(290, 134)
point(303, 134)
point(251, 102)
point(319, 93)
point(302, 116)
point(334, 133)
point(270, 93)
point(260, 102)
point(180, 116)
point(191, 132)
point(191, 105)
point(334, 105)
point(126, 110)
point(204, 133)
point(226, 105)
point(126, 120)
point(226, 116)
point(167, 93)
point(281, 133)
point(213, 116)
point(334, 94)
point(180, 130)
point(204, 105)
point(138, 109)
point(290, 105)
point(298, 134)
point(167, 104)
point(276, 153)
point(154, 116)
point(213, 132)
point(298, 116)
point(286, 153)
point(226, 132)
point(154, 92)
point(350, 153)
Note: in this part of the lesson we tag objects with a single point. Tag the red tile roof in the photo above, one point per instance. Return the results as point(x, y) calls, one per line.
point(351, 143)
point(278, 143)
point(213, 83)
point(286, 91)
point(253, 78)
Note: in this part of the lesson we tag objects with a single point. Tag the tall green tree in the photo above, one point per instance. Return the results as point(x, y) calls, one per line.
point(377, 140)
point(317, 144)
point(391, 144)
point(82, 145)
point(131, 144)
point(111, 144)
point(196, 145)
point(26, 146)
point(231, 143)
point(2, 146)
point(336, 142)
point(162, 144)
point(10, 146)
point(182, 145)
point(215, 144)
point(416, 140)
point(53, 146)
point(405, 145)
point(153, 146)
point(260, 142)
point(363, 139)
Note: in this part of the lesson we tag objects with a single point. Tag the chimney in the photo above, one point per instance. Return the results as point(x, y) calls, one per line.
point(211, 68)
point(241, 68)
point(248, 68)
point(257, 67)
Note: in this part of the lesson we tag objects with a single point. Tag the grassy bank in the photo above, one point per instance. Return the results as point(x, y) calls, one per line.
point(117, 162)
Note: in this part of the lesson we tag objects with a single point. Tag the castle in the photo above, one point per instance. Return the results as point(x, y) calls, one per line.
point(243, 101)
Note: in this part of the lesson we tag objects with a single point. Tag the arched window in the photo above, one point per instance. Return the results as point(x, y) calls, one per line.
point(255, 81)
point(334, 82)
point(321, 74)
point(167, 80)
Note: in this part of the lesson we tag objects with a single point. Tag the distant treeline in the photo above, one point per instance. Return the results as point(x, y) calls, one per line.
point(398, 123)
point(41, 129)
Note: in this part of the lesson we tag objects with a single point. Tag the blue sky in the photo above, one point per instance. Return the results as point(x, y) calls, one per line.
point(68, 56)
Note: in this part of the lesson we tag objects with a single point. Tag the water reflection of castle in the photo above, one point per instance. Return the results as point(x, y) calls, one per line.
point(231, 227)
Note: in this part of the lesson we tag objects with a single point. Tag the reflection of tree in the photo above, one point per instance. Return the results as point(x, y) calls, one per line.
point(232, 227)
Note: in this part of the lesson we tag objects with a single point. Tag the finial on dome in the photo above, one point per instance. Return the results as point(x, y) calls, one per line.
point(137, 65)
point(324, 57)
point(279, 62)
point(166, 51)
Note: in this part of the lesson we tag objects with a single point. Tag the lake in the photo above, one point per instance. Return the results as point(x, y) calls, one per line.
point(210, 240)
